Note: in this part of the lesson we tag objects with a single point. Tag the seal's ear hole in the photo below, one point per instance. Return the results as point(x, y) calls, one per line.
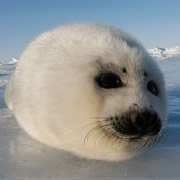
point(152, 88)
point(108, 81)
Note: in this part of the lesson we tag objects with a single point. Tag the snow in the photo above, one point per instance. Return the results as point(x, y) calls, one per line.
point(164, 53)
point(13, 61)
point(23, 157)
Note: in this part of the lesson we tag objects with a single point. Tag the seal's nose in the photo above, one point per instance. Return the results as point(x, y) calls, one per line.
point(138, 124)
point(146, 123)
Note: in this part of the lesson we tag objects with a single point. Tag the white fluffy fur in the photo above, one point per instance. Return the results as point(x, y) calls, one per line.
point(55, 98)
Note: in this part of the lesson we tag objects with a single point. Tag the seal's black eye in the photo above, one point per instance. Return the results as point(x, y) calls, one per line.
point(108, 81)
point(152, 87)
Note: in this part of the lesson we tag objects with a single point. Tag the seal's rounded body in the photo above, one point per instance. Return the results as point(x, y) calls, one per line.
point(79, 87)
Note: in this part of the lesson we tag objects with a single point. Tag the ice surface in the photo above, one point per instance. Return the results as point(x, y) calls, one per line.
point(23, 157)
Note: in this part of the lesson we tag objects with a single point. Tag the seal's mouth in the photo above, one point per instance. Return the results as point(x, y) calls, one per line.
point(136, 129)
point(141, 130)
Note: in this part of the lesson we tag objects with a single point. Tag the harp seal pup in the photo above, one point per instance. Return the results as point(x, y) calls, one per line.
point(89, 89)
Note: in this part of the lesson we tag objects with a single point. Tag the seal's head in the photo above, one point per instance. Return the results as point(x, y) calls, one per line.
point(92, 90)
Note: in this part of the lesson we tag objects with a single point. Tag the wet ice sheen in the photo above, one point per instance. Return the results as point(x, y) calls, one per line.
point(23, 157)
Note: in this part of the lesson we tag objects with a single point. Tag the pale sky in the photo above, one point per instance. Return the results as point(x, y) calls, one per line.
point(155, 23)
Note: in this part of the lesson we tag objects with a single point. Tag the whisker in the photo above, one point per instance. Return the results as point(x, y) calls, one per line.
point(103, 132)
point(105, 135)
point(89, 125)
point(89, 133)
point(164, 136)
point(98, 135)
point(114, 140)
point(101, 140)
point(100, 119)
point(142, 148)
point(151, 143)
point(111, 139)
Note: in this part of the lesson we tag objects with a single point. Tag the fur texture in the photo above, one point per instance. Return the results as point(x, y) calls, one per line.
point(56, 100)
